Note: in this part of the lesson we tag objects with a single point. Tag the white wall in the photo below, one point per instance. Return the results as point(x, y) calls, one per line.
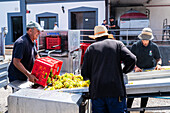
point(159, 10)
point(159, 2)
point(157, 15)
point(63, 17)
point(7, 7)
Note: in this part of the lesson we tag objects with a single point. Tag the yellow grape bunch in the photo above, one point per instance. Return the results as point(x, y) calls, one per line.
point(67, 80)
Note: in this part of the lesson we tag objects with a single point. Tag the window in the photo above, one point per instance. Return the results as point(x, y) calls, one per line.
point(48, 22)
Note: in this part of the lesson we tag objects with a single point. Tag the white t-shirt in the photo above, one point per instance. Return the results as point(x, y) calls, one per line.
point(55, 27)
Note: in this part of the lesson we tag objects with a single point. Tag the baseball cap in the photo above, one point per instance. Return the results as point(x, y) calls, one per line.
point(33, 24)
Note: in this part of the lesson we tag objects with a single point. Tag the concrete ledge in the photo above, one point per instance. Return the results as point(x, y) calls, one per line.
point(40, 101)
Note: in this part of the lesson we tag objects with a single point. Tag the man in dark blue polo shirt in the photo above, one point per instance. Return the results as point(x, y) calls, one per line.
point(146, 52)
point(24, 54)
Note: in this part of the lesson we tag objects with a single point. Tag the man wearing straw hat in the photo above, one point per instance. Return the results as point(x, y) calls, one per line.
point(146, 52)
point(102, 65)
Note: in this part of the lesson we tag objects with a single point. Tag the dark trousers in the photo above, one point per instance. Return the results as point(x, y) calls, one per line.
point(143, 103)
point(109, 105)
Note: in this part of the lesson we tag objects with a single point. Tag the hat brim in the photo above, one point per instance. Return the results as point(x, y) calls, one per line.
point(41, 29)
point(38, 28)
point(111, 36)
point(145, 37)
point(98, 35)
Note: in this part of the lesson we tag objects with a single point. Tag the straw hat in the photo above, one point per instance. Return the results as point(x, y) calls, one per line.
point(99, 31)
point(111, 36)
point(146, 34)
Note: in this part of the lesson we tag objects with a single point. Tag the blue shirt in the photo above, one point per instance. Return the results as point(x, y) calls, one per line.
point(25, 50)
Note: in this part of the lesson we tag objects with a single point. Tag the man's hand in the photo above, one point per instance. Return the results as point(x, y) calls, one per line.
point(32, 78)
point(137, 69)
point(158, 62)
point(158, 67)
point(112, 26)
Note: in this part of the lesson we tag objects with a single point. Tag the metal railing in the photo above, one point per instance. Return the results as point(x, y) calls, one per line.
point(128, 36)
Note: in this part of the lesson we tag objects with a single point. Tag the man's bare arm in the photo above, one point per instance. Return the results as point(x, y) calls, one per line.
point(17, 63)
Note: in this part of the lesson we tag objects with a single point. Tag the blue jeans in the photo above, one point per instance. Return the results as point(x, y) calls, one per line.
point(109, 105)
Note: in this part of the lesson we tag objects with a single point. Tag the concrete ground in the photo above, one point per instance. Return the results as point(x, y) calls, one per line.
point(5, 93)
point(3, 99)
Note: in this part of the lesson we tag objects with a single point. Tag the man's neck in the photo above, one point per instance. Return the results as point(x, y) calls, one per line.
point(31, 37)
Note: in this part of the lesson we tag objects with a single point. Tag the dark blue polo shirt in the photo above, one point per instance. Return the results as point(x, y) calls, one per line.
point(25, 50)
point(145, 55)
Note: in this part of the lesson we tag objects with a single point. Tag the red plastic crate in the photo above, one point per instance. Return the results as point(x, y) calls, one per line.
point(84, 46)
point(50, 42)
point(43, 66)
point(82, 56)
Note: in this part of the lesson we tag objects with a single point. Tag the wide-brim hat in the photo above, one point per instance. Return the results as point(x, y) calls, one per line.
point(99, 31)
point(146, 34)
point(33, 24)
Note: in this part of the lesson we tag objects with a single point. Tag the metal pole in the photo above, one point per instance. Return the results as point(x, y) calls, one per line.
point(107, 10)
point(127, 38)
point(23, 12)
point(4, 32)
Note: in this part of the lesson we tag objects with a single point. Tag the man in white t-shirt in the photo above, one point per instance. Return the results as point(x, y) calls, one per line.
point(55, 26)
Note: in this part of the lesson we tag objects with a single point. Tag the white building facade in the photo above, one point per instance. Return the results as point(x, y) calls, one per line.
point(63, 19)
point(8, 7)
point(71, 14)
point(68, 14)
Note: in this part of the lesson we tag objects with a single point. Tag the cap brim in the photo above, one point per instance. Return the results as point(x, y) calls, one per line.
point(40, 29)
point(98, 35)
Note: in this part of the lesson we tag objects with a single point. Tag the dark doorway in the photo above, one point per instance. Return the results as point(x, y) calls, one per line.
point(83, 20)
point(89, 20)
point(17, 27)
point(48, 22)
point(74, 20)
